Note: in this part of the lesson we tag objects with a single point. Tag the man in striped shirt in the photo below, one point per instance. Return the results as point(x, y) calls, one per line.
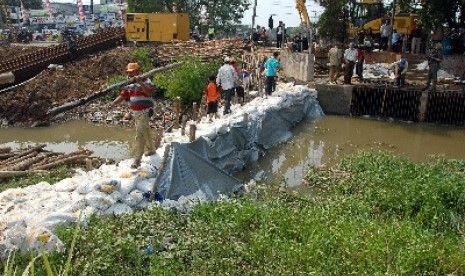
point(139, 96)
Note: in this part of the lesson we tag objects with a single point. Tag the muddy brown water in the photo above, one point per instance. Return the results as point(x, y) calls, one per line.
point(319, 143)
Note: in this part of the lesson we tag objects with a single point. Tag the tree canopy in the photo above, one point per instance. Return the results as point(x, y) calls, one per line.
point(28, 4)
point(223, 15)
point(431, 14)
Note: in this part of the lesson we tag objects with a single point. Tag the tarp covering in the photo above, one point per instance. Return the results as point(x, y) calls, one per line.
point(189, 172)
point(196, 171)
point(203, 163)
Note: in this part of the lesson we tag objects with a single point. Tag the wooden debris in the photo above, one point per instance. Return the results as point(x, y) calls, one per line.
point(36, 160)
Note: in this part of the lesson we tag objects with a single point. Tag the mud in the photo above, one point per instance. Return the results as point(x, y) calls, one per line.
point(28, 104)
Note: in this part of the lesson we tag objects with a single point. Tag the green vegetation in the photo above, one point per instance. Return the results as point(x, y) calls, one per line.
point(141, 55)
point(24, 181)
point(375, 214)
point(187, 81)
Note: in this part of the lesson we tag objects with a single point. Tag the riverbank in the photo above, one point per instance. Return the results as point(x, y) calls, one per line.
point(404, 219)
point(118, 189)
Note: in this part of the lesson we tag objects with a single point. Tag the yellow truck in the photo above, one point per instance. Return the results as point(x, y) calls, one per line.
point(157, 27)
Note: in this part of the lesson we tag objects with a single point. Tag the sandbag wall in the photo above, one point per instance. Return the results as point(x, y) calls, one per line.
point(232, 147)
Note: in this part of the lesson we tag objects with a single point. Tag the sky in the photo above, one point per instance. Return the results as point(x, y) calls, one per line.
point(282, 10)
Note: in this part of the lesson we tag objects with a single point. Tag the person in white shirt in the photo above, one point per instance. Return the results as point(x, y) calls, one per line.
point(385, 32)
point(279, 35)
point(350, 57)
point(227, 80)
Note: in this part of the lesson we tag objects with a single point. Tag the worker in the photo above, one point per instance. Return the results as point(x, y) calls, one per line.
point(139, 95)
point(400, 70)
point(335, 61)
point(350, 57)
point(434, 60)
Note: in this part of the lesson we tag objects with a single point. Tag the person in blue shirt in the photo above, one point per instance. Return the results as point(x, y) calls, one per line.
point(396, 41)
point(271, 67)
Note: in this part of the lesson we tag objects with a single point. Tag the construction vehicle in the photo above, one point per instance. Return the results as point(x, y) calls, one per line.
point(157, 27)
point(370, 14)
point(304, 18)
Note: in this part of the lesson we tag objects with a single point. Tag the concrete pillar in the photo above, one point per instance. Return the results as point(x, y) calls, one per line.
point(423, 104)
point(192, 129)
point(299, 65)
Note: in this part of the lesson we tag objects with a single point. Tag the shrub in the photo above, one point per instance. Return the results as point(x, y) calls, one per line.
point(187, 81)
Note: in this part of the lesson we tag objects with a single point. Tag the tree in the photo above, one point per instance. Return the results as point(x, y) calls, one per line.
point(333, 21)
point(28, 4)
point(223, 15)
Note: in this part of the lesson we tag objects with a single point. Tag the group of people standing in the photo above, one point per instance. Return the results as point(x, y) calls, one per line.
point(229, 81)
point(352, 58)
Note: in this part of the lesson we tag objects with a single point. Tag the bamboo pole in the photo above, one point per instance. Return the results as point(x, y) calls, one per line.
point(156, 183)
point(10, 174)
point(61, 162)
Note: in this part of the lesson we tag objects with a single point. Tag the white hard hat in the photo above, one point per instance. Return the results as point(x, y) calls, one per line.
point(227, 59)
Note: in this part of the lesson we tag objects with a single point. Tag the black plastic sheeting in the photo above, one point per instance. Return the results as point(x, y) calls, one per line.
point(207, 164)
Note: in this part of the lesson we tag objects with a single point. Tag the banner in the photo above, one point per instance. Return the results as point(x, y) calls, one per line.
point(50, 11)
point(120, 11)
point(82, 14)
point(23, 13)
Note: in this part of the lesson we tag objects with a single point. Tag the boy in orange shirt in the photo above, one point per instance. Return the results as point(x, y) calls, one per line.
point(212, 95)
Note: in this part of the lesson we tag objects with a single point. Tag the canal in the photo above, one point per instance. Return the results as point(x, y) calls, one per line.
point(315, 143)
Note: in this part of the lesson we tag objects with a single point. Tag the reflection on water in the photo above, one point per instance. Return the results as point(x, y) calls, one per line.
point(320, 143)
point(104, 141)
point(326, 141)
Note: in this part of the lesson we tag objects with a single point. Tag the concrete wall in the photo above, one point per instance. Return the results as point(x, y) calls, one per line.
point(334, 99)
point(298, 66)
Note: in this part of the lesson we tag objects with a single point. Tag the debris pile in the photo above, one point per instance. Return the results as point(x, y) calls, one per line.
point(36, 160)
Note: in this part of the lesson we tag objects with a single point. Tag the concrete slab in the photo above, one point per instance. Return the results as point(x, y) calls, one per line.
point(334, 99)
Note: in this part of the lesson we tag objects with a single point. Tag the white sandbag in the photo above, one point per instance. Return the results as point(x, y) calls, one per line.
point(16, 238)
point(109, 181)
point(42, 238)
point(133, 198)
point(39, 187)
point(127, 185)
point(142, 205)
point(50, 221)
point(85, 214)
point(147, 171)
point(85, 188)
point(145, 185)
point(118, 209)
point(99, 200)
point(66, 185)
point(116, 196)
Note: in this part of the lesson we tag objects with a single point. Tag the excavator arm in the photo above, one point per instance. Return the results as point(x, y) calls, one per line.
point(304, 18)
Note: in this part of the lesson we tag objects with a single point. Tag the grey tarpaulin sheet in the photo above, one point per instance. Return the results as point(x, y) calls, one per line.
point(189, 172)
point(191, 165)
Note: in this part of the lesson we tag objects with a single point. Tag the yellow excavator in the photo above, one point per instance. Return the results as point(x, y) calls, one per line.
point(370, 14)
point(304, 18)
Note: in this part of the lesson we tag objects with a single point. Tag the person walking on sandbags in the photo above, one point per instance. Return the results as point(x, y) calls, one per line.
point(139, 95)
point(227, 80)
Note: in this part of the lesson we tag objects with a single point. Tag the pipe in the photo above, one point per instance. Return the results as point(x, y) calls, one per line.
point(70, 105)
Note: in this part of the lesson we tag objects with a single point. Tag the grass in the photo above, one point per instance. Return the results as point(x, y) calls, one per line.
point(375, 215)
point(54, 176)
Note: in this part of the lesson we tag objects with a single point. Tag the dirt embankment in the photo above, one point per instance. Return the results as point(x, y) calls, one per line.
point(29, 103)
